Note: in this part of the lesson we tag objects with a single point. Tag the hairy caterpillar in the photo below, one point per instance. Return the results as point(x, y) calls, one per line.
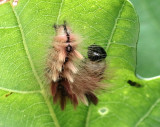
point(14, 3)
point(3, 1)
point(68, 81)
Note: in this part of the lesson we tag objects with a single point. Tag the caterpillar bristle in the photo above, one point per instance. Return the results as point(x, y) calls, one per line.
point(53, 88)
point(71, 66)
point(83, 99)
point(92, 98)
point(68, 76)
point(77, 54)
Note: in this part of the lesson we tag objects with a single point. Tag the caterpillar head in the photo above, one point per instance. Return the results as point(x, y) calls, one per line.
point(62, 29)
point(96, 53)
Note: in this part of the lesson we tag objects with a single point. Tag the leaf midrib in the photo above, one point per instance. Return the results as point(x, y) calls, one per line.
point(52, 113)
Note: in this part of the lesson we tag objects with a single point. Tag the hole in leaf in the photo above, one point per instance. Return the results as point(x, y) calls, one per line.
point(103, 111)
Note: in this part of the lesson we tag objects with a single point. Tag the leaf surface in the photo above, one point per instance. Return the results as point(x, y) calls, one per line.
point(25, 35)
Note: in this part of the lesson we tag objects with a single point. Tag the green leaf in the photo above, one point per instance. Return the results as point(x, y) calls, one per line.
point(26, 33)
point(148, 57)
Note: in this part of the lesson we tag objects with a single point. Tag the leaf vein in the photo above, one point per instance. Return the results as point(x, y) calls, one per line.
point(87, 117)
point(60, 9)
point(21, 92)
point(147, 113)
point(114, 27)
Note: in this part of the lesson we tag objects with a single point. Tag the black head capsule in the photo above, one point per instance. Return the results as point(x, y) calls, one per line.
point(96, 53)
